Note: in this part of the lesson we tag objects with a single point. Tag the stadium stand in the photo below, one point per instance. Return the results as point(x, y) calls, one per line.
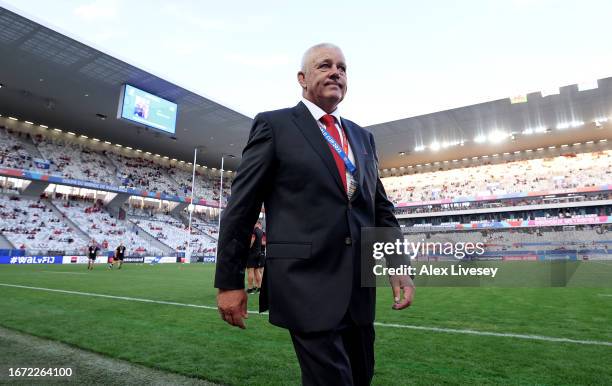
point(13, 153)
point(141, 173)
point(30, 225)
point(585, 212)
point(205, 186)
point(591, 241)
point(504, 203)
point(205, 227)
point(72, 160)
point(104, 229)
point(563, 172)
point(174, 233)
point(68, 157)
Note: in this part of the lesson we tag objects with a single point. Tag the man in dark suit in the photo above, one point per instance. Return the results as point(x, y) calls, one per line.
point(317, 174)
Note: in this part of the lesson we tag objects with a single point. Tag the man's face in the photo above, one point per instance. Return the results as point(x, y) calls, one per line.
point(323, 79)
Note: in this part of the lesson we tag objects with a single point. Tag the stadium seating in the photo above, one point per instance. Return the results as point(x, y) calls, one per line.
point(172, 232)
point(30, 224)
point(523, 239)
point(104, 229)
point(73, 161)
point(204, 187)
point(144, 174)
point(563, 172)
point(12, 151)
point(205, 227)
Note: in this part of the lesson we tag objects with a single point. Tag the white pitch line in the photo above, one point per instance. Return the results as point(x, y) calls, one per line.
point(115, 297)
point(109, 296)
point(379, 324)
point(500, 334)
point(604, 294)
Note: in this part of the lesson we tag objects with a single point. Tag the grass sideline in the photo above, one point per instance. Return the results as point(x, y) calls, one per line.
point(86, 368)
point(195, 342)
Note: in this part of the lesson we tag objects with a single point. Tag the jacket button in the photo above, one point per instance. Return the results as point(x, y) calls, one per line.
point(348, 241)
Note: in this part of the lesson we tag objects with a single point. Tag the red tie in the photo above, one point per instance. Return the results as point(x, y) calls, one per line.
point(330, 125)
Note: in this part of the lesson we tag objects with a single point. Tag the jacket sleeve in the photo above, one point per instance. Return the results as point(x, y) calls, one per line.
point(253, 179)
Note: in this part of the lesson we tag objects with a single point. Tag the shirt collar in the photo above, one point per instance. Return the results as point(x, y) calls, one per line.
point(318, 112)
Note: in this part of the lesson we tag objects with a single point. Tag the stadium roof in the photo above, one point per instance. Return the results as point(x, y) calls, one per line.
point(525, 122)
point(52, 79)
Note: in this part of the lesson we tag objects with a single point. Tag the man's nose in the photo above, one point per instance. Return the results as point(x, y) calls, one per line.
point(335, 73)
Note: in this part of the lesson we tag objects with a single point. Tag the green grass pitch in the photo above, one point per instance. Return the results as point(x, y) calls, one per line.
point(197, 343)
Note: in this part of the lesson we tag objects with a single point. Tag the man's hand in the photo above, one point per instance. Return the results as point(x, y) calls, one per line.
point(232, 306)
point(404, 282)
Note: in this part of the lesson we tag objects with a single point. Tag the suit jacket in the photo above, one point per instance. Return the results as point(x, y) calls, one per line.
point(312, 270)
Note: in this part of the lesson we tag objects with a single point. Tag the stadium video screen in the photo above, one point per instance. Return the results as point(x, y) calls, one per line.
point(147, 109)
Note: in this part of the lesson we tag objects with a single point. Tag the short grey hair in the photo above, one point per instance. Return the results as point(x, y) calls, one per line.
point(309, 52)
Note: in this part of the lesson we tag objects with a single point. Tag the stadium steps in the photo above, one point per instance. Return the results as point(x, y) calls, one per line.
point(185, 220)
point(5, 243)
point(31, 148)
point(79, 232)
point(171, 178)
point(152, 240)
point(118, 169)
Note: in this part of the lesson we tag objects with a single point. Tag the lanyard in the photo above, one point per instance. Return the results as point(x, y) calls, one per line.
point(342, 153)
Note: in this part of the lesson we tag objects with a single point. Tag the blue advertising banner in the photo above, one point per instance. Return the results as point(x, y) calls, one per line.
point(31, 259)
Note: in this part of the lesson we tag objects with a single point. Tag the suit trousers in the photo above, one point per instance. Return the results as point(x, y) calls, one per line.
point(343, 356)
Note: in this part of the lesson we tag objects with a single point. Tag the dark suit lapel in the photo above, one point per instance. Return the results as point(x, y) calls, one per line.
point(359, 151)
point(309, 128)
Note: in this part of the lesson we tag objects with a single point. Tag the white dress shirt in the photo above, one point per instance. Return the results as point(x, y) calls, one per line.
point(317, 113)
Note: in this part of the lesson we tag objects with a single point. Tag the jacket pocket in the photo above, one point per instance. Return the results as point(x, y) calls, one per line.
point(288, 250)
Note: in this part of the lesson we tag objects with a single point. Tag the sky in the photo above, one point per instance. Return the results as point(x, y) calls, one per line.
point(405, 58)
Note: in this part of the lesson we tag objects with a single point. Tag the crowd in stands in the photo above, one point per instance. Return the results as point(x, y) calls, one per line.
point(523, 215)
point(33, 225)
point(204, 186)
point(202, 222)
point(536, 200)
point(174, 233)
point(107, 231)
point(30, 225)
point(12, 150)
point(205, 227)
point(71, 160)
point(74, 159)
point(563, 172)
point(140, 173)
point(530, 239)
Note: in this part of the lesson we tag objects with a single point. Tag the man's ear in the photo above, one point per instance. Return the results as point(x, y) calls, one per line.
point(301, 77)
